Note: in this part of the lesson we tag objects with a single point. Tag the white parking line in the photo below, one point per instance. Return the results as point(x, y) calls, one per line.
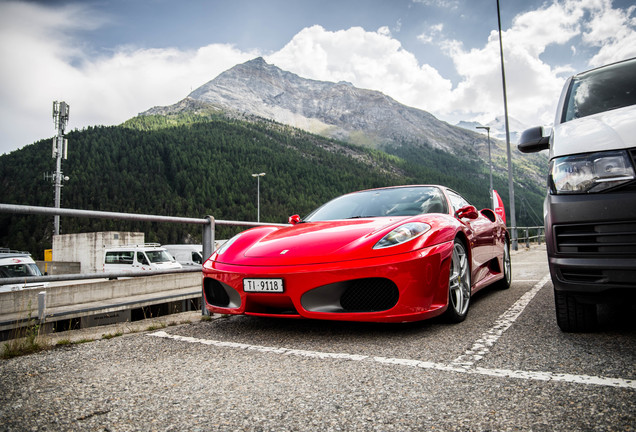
point(482, 345)
point(535, 376)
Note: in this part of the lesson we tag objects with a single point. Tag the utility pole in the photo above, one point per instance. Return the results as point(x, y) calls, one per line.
point(487, 129)
point(60, 150)
point(511, 190)
point(258, 195)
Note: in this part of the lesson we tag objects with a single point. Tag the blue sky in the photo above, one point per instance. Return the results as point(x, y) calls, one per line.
point(111, 59)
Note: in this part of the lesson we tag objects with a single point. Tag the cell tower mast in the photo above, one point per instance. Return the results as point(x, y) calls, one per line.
point(60, 150)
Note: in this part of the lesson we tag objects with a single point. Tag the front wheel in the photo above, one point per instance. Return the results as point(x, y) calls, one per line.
point(507, 268)
point(572, 315)
point(458, 284)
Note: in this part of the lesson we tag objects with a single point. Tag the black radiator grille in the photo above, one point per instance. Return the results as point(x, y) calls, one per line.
point(598, 239)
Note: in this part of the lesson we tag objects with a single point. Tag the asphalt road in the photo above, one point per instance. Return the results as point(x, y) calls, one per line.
point(506, 368)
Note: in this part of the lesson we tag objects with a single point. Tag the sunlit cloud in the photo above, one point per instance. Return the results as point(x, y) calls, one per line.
point(43, 61)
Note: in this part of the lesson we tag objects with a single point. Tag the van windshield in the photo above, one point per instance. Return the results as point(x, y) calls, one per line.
point(19, 270)
point(601, 90)
point(158, 256)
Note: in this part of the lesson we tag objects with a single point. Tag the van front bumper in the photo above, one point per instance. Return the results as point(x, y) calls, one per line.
point(591, 244)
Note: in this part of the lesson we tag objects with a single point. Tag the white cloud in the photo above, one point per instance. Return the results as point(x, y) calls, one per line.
point(41, 64)
point(433, 34)
point(533, 85)
point(372, 60)
point(613, 31)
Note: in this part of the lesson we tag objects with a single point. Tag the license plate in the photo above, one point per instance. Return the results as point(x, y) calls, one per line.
point(263, 285)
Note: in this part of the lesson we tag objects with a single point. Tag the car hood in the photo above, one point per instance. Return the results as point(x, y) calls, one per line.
point(609, 130)
point(309, 243)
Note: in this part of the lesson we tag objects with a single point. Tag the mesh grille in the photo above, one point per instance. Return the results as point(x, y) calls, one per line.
point(369, 295)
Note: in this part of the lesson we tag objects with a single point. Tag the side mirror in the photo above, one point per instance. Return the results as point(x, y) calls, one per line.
point(293, 220)
point(534, 140)
point(469, 212)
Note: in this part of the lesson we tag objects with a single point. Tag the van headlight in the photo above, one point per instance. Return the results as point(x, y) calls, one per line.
point(590, 173)
point(402, 234)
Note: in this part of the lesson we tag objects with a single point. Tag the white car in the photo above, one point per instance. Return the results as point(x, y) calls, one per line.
point(590, 208)
point(18, 264)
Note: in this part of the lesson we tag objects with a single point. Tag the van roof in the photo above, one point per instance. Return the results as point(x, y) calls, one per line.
point(4, 256)
point(135, 246)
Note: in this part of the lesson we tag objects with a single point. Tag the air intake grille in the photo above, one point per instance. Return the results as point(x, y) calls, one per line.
point(597, 239)
point(215, 294)
point(369, 295)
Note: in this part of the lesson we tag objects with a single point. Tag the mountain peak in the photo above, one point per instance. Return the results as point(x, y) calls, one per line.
point(258, 61)
point(338, 110)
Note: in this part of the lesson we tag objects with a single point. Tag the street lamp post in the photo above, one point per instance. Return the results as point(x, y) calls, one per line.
point(487, 128)
point(258, 195)
point(511, 189)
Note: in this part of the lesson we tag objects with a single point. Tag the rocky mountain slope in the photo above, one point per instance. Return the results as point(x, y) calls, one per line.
point(342, 111)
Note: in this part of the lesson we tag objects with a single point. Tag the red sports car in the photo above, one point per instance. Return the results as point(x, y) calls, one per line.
point(394, 254)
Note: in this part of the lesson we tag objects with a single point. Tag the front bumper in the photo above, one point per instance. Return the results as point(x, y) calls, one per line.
point(591, 243)
point(397, 288)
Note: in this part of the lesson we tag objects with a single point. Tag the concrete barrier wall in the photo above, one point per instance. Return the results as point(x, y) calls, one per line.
point(59, 267)
point(26, 300)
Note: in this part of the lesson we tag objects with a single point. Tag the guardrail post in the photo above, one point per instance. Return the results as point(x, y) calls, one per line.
point(208, 238)
point(208, 248)
point(539, 231)
point(527, 238)
point(41, 305)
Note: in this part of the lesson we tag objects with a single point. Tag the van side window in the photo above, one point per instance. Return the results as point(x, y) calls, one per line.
point(141, 258)
point(119, 257)
point(196, 257)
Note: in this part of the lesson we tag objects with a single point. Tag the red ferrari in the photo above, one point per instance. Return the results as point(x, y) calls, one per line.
point(394, 254)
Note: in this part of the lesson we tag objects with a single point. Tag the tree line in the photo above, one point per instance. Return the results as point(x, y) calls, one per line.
point(193, 166)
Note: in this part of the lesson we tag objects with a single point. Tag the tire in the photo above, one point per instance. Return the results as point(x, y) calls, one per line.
point(574, 316)
point(459, 286)
point(507, 268)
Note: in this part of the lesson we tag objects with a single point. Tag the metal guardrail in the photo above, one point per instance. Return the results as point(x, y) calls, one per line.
point(523, 234)
point(87, 276)
point(208, 224)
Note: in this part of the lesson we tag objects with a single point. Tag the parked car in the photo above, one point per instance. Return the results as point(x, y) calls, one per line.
point(149, 256)
point(393, 254)
point(590, 207)
point(18, 264)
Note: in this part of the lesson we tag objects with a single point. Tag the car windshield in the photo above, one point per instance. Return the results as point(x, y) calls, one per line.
point(600, 90)
point(158, 256)
point(19, 270)
point(401, 201)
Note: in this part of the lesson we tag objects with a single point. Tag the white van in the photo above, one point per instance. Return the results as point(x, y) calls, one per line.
point(18, 264)
point(185, 254)
point(590, 207)
point(149, 256)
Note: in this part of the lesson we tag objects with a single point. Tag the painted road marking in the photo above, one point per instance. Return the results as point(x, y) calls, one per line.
point(462, 364)
point(525, 375)
point(482, 345)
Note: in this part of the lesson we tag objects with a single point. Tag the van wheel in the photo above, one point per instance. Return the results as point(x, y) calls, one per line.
point(574, 316)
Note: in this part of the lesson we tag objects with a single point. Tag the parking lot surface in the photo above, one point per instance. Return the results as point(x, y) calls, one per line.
point(506, 368)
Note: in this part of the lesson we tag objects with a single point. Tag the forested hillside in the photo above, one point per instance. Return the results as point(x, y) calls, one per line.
point(202, 166)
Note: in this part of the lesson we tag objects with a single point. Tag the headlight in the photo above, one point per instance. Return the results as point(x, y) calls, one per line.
point(402, 234)
point(593, 172)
